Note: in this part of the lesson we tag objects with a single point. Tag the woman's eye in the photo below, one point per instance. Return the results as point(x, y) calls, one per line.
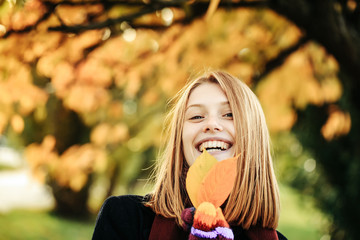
point(196, 117)
point(228, 115)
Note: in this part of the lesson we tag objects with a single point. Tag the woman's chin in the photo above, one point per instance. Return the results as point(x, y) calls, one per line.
point(221, 155)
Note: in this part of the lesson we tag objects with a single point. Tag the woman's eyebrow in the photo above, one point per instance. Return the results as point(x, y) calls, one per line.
point(194, 105)
point(202, 105)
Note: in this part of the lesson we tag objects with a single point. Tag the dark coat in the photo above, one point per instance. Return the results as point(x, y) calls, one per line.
point(126, 218)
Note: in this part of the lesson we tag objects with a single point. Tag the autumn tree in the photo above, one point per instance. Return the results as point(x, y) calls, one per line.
point(85, 84)
point(331, 130)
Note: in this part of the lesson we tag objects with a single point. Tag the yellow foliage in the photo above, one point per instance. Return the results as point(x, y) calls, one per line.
point(47, 63)
point(86, 98)
point(76, 163)
point(331, 89)
point(31, 97)
point(119, 133)
point(75, 15)
point(133, 84)
point(40, 44)
point(243, 71)
point(150, 97)
point(78, 181)
point(41, 156)
point(258, 34)
point(296, 83)
point(17, 123)
point(100, 134)
point(146, 71)
point(93, 72)
point(104, 134)
point(75, 45)
point(71, 15)
point(63, 77)
point(71, 169)
point(110, 53)
point(115, 110)
point(32, 12)
point(49, 143)
point(18, 90)
point(337, 124)
point(3, 122)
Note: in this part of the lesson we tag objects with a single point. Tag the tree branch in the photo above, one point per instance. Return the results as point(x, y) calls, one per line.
point(331, 30)
point(31, 27)
point(148, 8)
point(107, 23)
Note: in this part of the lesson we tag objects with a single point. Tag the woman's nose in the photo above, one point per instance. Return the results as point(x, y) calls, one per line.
point(212, 124)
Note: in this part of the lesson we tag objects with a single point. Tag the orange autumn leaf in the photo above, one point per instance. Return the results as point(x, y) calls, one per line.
point(218, 183)
point(196, 174)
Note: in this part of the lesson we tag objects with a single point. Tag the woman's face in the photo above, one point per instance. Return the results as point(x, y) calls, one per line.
point(208, 124)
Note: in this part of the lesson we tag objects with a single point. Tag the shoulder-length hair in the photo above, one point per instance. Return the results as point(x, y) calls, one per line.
point(254, 199)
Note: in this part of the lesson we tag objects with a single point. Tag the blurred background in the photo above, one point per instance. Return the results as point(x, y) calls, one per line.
point(84, 87)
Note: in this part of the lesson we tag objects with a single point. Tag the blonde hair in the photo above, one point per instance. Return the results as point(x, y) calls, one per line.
point(254, 199)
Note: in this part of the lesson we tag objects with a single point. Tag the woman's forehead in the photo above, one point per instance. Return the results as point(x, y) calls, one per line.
point(207, 93)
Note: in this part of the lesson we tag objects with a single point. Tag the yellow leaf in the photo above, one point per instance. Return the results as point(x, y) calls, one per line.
point(218, 183)
point(196, 174)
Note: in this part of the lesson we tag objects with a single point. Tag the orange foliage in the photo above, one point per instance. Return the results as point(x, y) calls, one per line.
point(104, 134)
point(106, 79)
point(71, 169)
point(93, 72)
point(307, 77)
point(17, 123)
point(3, 122)
point(84, 98)
point(75, 164)
point(30, 14)
point(64, 76)
point(338, 124)
point(41, 156)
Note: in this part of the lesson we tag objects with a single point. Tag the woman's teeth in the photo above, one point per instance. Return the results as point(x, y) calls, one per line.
point(212, 146)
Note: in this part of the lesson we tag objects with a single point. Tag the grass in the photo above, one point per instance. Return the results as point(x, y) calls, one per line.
point(299, 220)
point(31, 225)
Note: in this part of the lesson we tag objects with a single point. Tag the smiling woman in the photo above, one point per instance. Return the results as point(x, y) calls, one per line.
point(208, 124)
point(219, 113)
